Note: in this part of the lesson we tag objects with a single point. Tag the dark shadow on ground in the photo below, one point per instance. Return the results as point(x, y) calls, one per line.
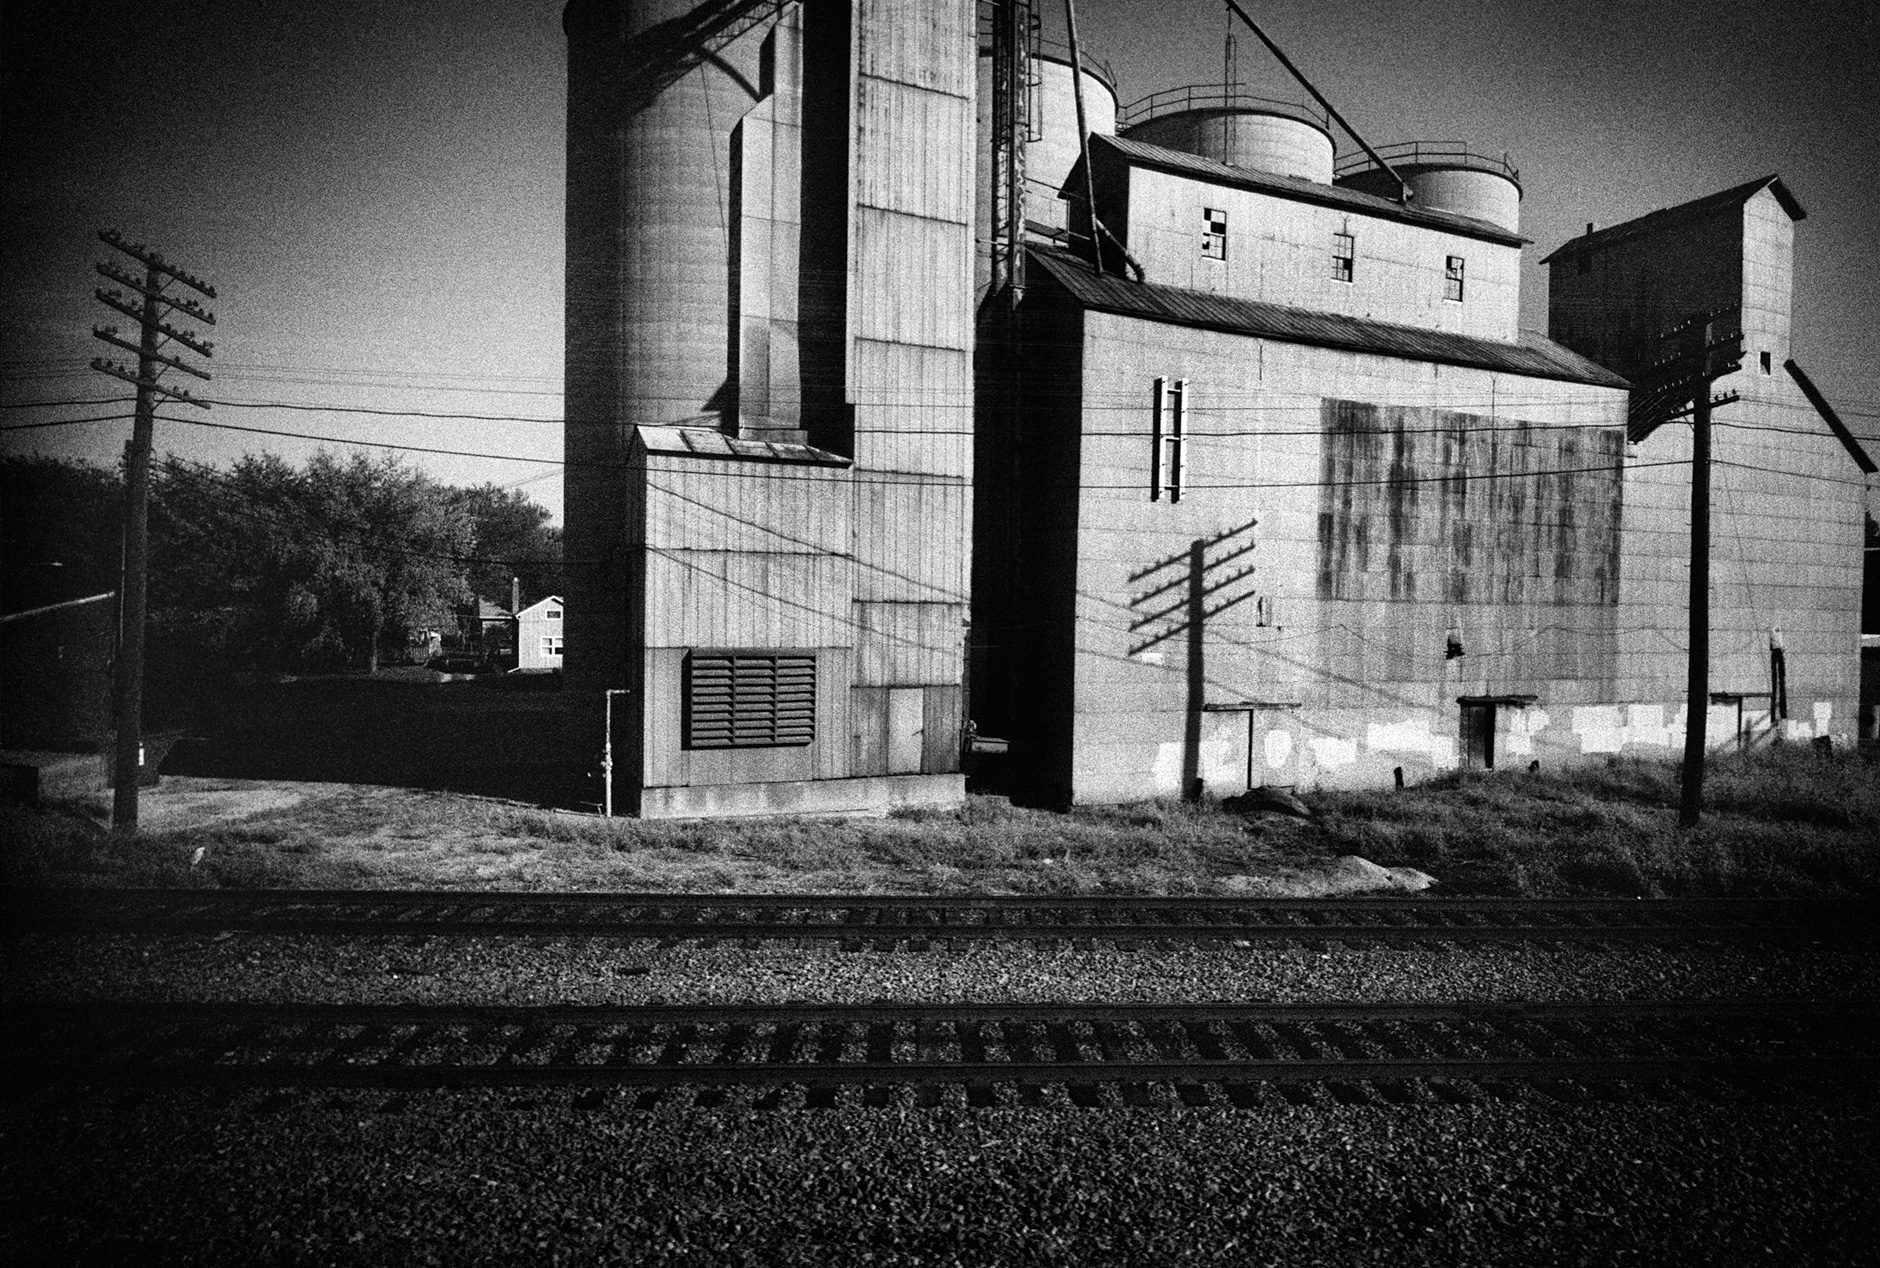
point(497, 736)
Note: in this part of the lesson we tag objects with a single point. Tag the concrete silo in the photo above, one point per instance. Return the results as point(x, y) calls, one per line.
point(1255, 133)
point(1443, 176)
point(769, 397)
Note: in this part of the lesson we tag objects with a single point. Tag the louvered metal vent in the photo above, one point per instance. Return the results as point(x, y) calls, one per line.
point(749, 699)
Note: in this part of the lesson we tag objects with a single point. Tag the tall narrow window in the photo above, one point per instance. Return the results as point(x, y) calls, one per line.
point(1344, 256)
point(1452, 279)
point(1213, 233)
point(1168, 459)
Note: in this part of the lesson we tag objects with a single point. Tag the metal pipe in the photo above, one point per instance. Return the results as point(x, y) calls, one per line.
point(1403, 186)
point(607, 752)
point(1083, 132)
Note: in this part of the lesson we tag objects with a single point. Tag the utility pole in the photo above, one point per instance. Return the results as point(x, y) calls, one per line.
point(154, 334)
point(1704, 348)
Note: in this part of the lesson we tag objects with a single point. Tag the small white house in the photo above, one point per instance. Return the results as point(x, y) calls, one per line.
point(538, 635)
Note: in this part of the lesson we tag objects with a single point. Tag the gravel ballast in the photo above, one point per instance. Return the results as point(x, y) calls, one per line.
point(481, 1178)
point(498, 1177)
point(267, 968)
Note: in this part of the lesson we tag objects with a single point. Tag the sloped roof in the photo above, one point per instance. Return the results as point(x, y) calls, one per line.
point(1533, 355)
point(1849, 441)
point(540, 603)
point(705, 442)
point(1142, 154)
point(1666, 217)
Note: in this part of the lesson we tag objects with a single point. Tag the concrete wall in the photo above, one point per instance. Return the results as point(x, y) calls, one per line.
point(910, 382)
point(1503, 524)
point(1786, 497)
point(1280, 251)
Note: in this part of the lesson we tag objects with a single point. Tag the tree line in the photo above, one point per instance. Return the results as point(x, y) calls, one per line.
point(333, 564)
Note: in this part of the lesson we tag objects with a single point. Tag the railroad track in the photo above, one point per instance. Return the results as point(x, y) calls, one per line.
point(916, 922)
point(982, 1046)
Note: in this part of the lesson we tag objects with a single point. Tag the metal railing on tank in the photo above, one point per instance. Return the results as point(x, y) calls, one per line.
point(1054, 50)
point(1427, 153)
point(1215, 97)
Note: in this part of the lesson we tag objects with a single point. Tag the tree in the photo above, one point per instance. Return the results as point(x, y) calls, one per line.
point(513, 539)
point(313, 568)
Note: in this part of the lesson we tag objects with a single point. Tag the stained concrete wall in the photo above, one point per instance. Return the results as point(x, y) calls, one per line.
point(1506, 544)
point(1280, 251)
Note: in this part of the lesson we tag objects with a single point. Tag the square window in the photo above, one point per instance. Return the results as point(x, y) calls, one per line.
point(551, 644)
point(1344, 256)
point(1452, 278)
point(1213, 233)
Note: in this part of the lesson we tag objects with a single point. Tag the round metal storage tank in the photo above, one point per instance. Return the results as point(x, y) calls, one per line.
point(1232, 128)
point(1444, 178)
point(1052, 148)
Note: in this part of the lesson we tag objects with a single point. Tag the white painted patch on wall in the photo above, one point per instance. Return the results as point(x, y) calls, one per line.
point(1332, 753)
point(1824, 714)
point(1167, 772)
point(1645, 724)
point(1443, 752)
point(1218, 765)
point(1523, 726)
point(1412, 735)
point(1599, 728)
point(1279, 746)
point(1149, 658)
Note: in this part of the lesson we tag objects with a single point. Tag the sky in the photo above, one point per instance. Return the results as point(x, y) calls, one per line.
point(375, 187)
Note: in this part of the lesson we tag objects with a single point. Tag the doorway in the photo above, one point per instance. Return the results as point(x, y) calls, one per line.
point(1478, 736)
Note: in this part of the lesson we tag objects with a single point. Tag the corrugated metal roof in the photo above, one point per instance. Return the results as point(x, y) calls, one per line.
point(1666, 216)
point(705, 442)
point(1142, 154)
point(1533, 355)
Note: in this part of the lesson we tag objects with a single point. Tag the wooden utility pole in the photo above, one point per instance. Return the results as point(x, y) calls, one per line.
point(1697, 665)
point(1703, 349)
point(154, 333)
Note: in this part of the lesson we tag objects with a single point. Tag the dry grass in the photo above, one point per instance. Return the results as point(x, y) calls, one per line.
point(1787, 821)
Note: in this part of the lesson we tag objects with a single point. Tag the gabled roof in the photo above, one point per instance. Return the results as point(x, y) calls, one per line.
point(1298, 188)
point(554, 599)
point(1693, 210)
point(1533, 355)
point(706, 442)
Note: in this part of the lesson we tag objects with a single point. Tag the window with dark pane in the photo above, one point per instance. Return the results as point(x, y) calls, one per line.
point(1344, 256)
point(740, 699)
point(1213, 233)
point(1452, 278)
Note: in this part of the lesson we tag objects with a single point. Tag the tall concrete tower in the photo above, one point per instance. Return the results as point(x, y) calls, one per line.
point(769, 397)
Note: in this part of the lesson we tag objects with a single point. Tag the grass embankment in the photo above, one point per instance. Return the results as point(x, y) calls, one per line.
point(1787, 821)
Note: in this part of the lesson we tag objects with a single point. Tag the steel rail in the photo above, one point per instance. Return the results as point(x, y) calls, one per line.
point(192, 1012)
point(910, 918)
point(146, 1043)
